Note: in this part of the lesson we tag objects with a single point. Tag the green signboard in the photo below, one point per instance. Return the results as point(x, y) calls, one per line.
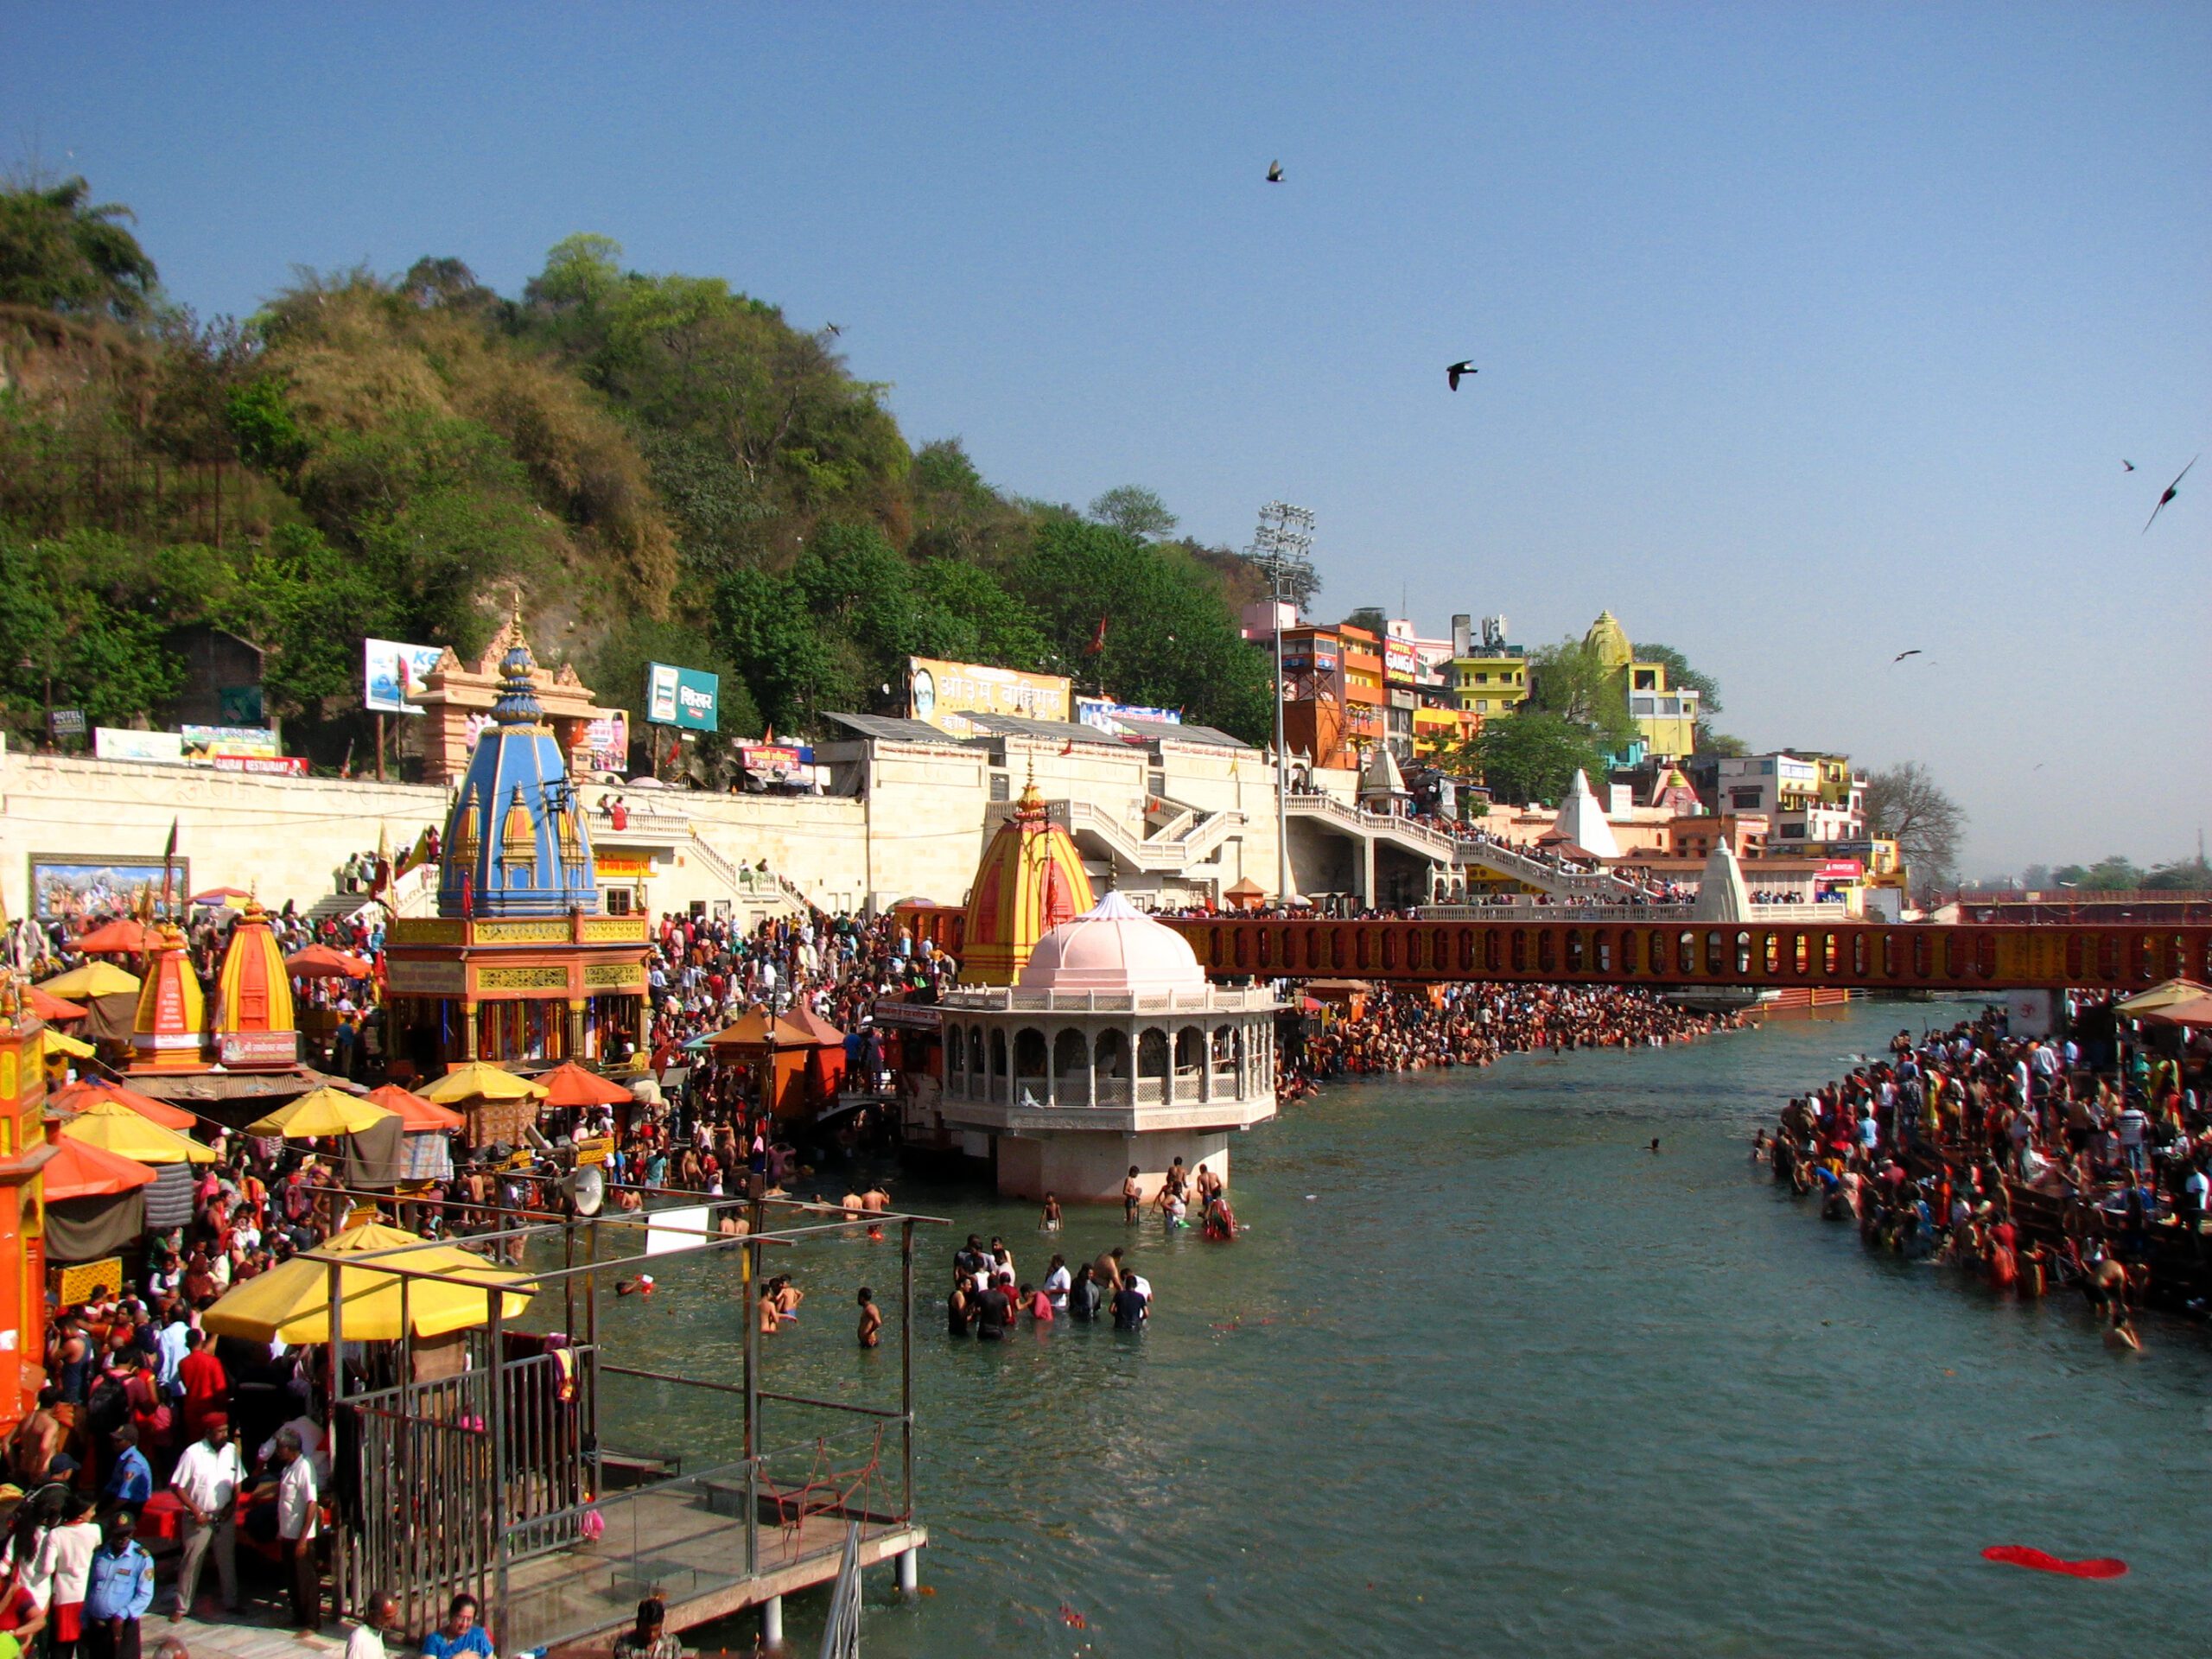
point(682, 696)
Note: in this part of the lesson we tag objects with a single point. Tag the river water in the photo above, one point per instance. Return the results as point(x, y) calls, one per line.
point(1486, 1376)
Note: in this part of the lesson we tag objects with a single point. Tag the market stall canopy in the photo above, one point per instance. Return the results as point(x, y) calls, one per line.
point(291, 1301)
point(757, 1030)
point(2195, 1013)
point(218, 898)
point(570, 1084)
point(47, 1006)
point(52, 1042)
point(417, 1114)
point(2143, 1002)
point(817, 1027)
point(481, 1080)
point(79, 1169)
point(93, 979)
point(80, 1094)
point(324, 1111)
point(321, 961)
point(113, 1127)
point(119, 938)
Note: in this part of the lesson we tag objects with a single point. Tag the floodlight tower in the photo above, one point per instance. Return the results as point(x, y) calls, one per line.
point(1282, 549)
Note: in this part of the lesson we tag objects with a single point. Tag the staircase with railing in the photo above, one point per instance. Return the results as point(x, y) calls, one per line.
point(1444, 848)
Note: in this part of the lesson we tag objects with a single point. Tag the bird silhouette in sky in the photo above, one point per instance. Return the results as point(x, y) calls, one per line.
point(2173, 490)
point(2126, 462)
point(1902, 655)
point(833, 328)
point(1275, 172)
point(1454, 371)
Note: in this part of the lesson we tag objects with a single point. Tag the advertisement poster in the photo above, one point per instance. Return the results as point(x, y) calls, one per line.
point(1105, 714)
point(206, 744)
point(392, 672)
point(114, 743)
point(682, 696)
point(65, 884)
point(602, 745)
point(943, 694)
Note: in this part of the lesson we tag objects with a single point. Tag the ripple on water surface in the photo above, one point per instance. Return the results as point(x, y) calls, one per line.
point(1512, 1384)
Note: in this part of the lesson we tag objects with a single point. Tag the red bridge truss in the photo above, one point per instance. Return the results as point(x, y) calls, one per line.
point(1868, 955)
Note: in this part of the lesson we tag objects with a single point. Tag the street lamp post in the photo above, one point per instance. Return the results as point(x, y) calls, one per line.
point(1282, 548)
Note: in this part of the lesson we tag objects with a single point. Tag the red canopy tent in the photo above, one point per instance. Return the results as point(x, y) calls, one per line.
point(321, 961)
point(825, 1066)
point(119, 937)
point(78, 1169)
point(417, 1114)
point(52, 1008)
point(78, 1095)
point(570, 1084)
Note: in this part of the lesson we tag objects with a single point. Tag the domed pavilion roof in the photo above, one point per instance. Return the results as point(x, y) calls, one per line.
point(1031, 880)
point(1115, 948)
point(516, 844)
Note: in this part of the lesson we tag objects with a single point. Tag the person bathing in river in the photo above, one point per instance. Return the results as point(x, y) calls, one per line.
point(764, 1310)
point(788, 1297)
point(1131, 1195)
point(871, 1329)
point(1049, 1222)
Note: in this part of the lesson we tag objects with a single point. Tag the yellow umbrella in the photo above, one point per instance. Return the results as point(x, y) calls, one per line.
point(291, 1301)
point(480, 1080)
point(52, 1042)
point(2143, 1002)
point(322, 1111)
point(93, 979)
point(113, 1127)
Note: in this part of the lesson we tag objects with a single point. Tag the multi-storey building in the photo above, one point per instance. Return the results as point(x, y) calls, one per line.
point(1787, 790)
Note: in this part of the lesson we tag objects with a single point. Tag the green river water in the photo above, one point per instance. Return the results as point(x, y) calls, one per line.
point(1505, 1383)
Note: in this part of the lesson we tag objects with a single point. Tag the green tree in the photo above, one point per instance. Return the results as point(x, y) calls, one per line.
point(2111, 874)
point(84, 620)
point(1720, 743)
point(793, 672)
point(1571, 680)
point(1533, 755)
point(1680, 676)
point(616, 670)
point(2183, 875)
point(61, 251)
point(1373, 618)
point(1135, 511)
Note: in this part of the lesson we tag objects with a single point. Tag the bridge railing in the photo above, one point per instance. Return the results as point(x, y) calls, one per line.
point(1685, 951)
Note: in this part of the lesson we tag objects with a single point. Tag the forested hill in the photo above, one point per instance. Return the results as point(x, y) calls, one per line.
point(661, 466)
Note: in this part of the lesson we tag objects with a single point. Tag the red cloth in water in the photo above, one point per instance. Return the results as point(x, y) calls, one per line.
point(2021, 1555)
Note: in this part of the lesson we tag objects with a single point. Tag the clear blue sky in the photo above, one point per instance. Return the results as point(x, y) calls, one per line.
point(1807, 334)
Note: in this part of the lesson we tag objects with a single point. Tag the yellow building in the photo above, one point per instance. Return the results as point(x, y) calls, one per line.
point(1666, 717)
point(1441, 733)
point(1491, 681)
point(1031, 881)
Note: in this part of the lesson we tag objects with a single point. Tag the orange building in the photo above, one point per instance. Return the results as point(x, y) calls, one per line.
point(1031, 880)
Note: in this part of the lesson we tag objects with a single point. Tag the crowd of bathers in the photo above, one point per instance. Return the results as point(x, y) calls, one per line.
point(2036, 1161)
point(1473, 1024)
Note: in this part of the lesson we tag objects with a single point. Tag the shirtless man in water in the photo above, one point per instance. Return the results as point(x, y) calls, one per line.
point(1131, 1194)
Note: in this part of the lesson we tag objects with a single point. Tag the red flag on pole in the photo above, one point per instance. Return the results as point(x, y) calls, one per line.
point(169, 866)
point(1097, 640)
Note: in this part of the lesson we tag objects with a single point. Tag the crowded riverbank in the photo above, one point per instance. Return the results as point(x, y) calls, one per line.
point(2072, 1163)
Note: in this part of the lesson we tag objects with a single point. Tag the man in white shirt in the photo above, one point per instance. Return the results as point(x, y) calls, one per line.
point(379, 1614)
point(207, 1483)
point(1056, 1285)
point(311, 1443)
point(296, 1525)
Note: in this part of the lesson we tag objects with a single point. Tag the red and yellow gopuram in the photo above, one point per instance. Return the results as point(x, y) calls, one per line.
point(23, 1261)
point(1031, 880)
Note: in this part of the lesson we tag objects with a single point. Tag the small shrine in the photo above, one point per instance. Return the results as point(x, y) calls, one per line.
point(517, 964)
point(459, 700)
point(170, 1032)
point(254, 1026)
point(1031, 880)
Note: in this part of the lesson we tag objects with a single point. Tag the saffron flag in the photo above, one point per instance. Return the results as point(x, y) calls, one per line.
point(1098, 640)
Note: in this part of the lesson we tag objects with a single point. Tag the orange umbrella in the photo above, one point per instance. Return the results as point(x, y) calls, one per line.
point(78, 1169)
point(46, 1006)
point(570, 1084)
point(321, 961)
point(119, 938)
point(417, 1114)
point(78, 1095)
point(754, 1032)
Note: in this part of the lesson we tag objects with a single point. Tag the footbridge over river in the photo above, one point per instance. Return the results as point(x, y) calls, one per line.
point(1817, 954)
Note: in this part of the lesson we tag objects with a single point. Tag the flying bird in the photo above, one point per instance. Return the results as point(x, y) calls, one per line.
point(2173, 490)
point(833, 328)
point(1902, 655)
point(1275, 172)
point(2128, 464)
point(1454, 371)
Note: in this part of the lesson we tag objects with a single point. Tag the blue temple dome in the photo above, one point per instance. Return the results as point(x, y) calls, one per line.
point(516, 844)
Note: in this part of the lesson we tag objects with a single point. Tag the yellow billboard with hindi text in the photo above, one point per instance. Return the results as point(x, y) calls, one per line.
point(944, 695)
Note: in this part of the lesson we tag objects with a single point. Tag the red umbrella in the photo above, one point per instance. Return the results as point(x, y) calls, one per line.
point(417, 1114)
point(321, 961)
point(78, 1095)
point(570, 1084)
point(78, 1169)
point(119, 938)
point(49, 1006)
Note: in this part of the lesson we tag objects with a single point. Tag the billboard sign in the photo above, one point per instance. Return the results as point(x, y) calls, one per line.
point(392, 672)
point(115, 743)
point(204, 745)
point(682, 696)
point(944, 695)
point(66, 723)
point(1106, 715)
point(1400, 660)
point(602, 745)
point(64, 885)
